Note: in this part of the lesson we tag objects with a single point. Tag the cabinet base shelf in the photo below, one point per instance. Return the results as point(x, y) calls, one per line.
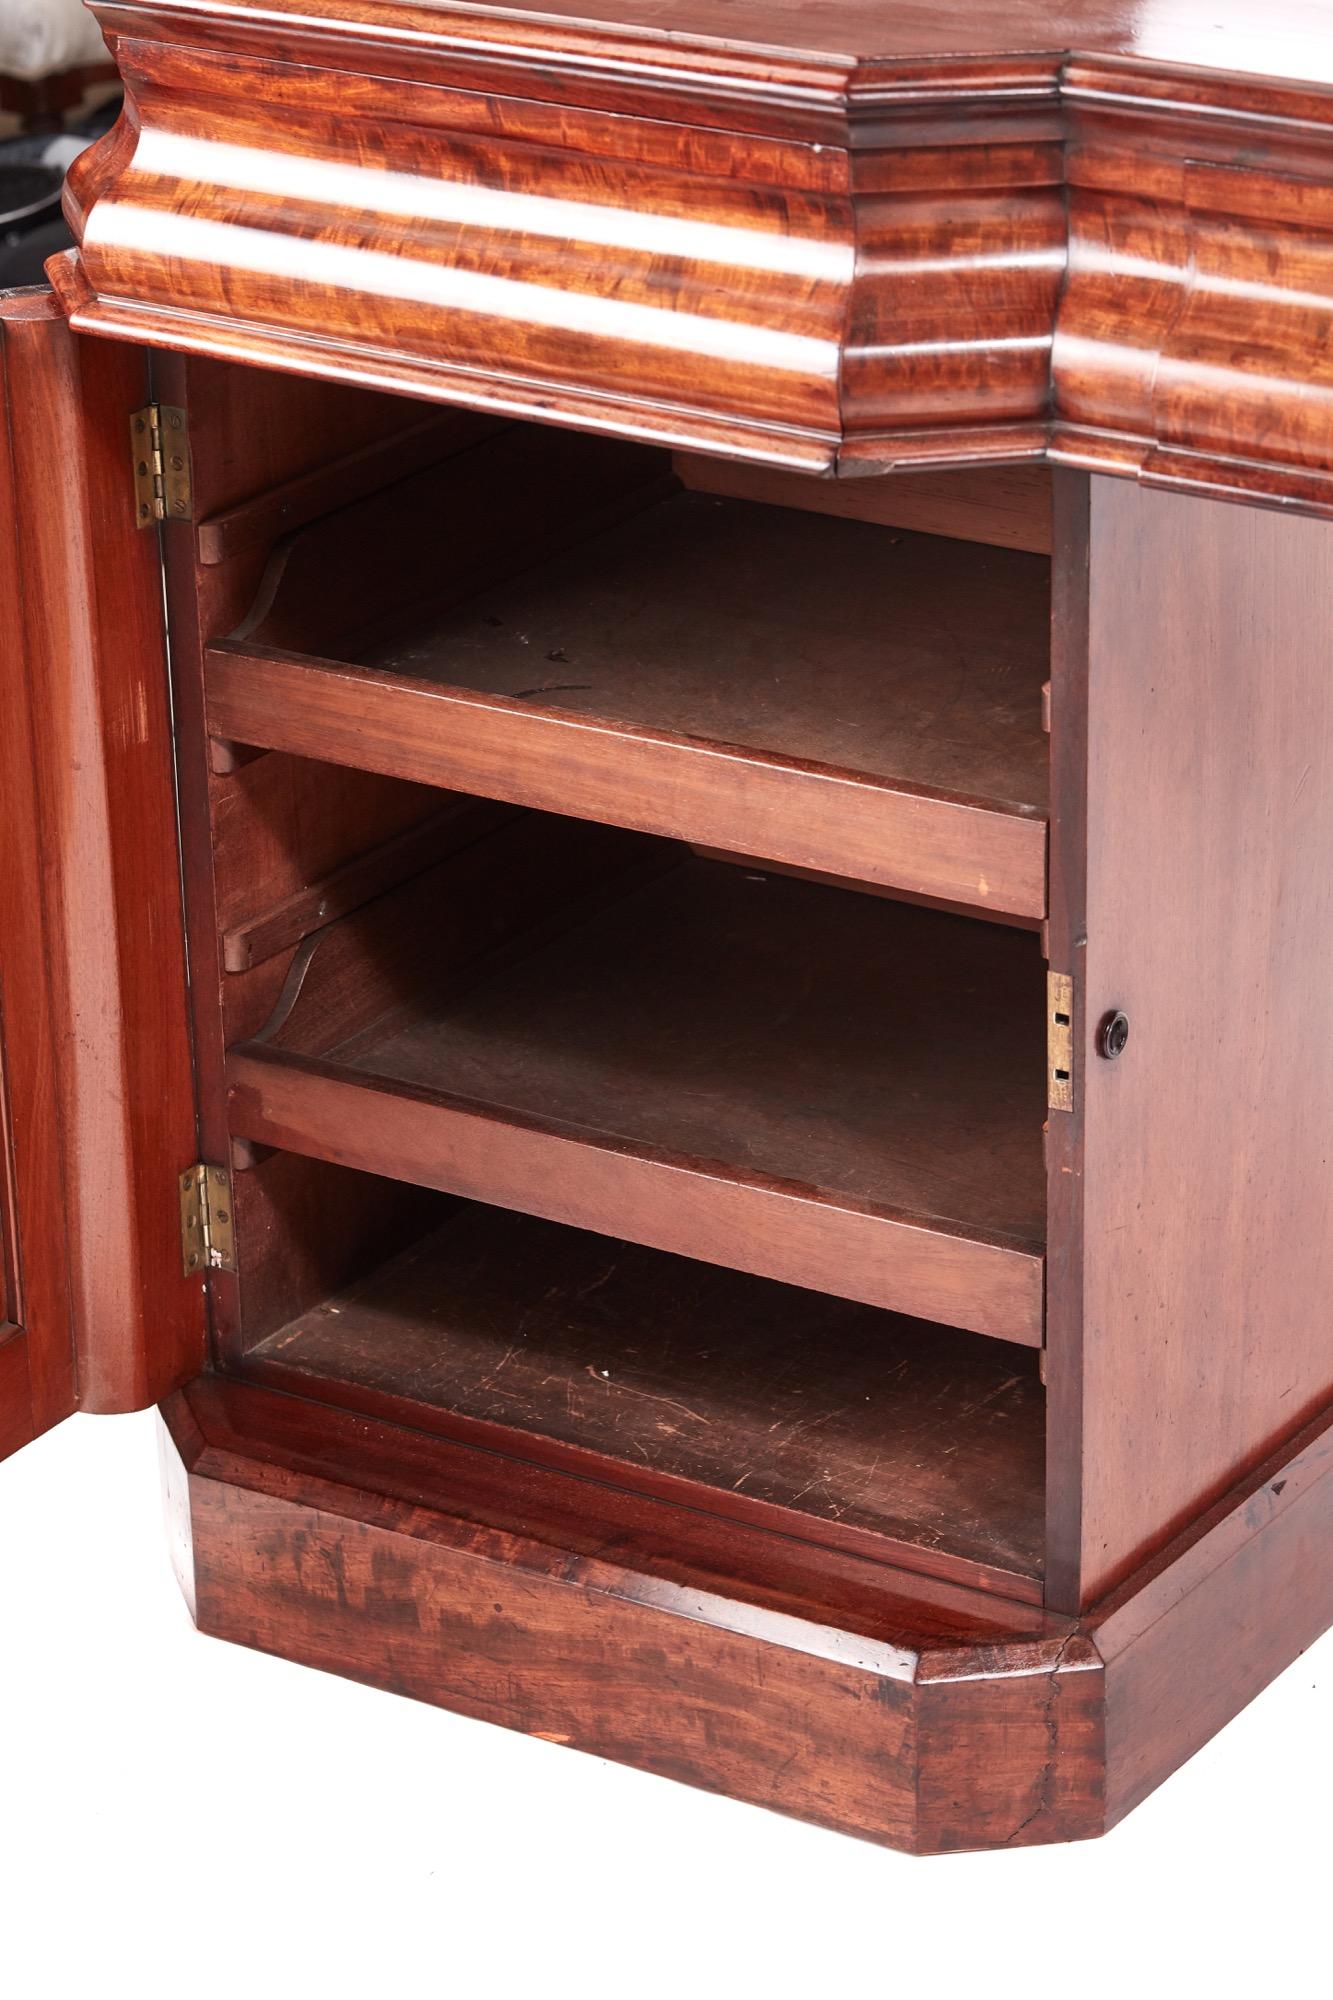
point(895, 1440)
point(908, 1712)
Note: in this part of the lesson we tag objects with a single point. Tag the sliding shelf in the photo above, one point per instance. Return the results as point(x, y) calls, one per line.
point(829, 694)
point(850, 1428)
point(830, 1089)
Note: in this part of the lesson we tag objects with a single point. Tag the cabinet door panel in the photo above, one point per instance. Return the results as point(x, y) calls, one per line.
point(95, 1076)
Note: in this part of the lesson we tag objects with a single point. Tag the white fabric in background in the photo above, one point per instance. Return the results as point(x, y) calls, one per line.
point(41, 37)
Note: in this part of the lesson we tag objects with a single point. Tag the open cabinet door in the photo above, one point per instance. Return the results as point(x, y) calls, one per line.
point(96, 1091)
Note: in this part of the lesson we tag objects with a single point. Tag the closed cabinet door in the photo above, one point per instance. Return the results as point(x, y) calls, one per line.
point(96, 1094)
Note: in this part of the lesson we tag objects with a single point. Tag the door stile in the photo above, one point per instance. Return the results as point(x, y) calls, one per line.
point(98, 1061)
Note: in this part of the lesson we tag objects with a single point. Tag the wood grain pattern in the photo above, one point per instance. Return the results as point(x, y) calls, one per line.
point(391, 454)
point(744, 677)
point(721, 1215)
point(287, 830)
point(936, 236)
point(761, 55)
point(855, 1429)
point(522, 309)
point(1247, 1586)
point(793, 1687)
point(100, 1112)
point(931, 240)
point(1187, 1334)
point(880, 1704)
point(38, 1358)
point(1004, 507)
point(1191, 345)
point(18, 1420)
point(280, 927)
point(723, 1065)
point(272, 827)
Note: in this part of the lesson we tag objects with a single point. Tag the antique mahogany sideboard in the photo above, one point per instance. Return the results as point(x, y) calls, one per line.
point(725, 613)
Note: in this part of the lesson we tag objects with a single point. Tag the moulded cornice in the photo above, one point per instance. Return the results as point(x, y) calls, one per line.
point(819, 257)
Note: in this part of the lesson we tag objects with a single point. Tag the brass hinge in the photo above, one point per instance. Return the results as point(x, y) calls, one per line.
point(1060, 1041)
point(160, 441)
point(208, 1231)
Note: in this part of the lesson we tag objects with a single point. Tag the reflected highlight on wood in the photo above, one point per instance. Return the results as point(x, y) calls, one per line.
point(643, 1181)
point(850, 251)
point(97, 1114)
point(607, 258)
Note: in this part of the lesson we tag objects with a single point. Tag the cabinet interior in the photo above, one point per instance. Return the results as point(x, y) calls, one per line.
point(618, 972)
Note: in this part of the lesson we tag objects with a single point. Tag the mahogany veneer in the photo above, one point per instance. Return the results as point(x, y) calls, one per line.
point(857, 236)
point(932, 1721)
point(634, 885)
point(96, 1106)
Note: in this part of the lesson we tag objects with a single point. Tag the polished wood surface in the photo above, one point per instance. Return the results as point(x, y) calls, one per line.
point(711, 1653)
point(902, 657)
point(749, 678)
point(697, 37)
point(857, 1429)
point(298, 846)
point(741, 251)
point(1245, 1587)
point(1091, 1714)
point(38, 1363)
point(100, 1106)
point(844, 238)
point(270, 828)
point(1187, 1334)
point(900, 1709)
point(1190, 340)
point(1000, 506)
point(718, 1063)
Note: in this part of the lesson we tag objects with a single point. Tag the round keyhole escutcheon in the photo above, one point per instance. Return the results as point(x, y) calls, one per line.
point(1112, 1036)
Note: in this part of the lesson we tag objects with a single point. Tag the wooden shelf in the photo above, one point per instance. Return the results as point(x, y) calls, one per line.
point(851, 1428)
point(811, 1085)
point(830, 694)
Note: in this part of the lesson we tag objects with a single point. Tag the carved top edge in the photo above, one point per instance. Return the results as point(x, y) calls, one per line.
point(1103, 262)
point(856, 56)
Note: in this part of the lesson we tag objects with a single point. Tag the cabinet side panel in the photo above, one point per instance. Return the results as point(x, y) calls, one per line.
point(1216, 1618)
point(1207, 1253)
point(118, 1085)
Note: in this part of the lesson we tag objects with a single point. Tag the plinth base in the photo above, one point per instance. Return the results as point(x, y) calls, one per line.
point(910, 1712)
